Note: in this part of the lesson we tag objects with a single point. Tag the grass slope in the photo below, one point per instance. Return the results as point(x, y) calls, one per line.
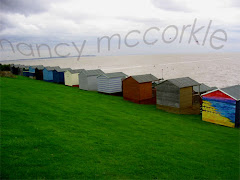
point(52, 131)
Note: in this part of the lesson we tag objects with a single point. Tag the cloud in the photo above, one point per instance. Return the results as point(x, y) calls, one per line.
point(25, 7)
point(236, 3)
point(5, 23)
point(170, 5)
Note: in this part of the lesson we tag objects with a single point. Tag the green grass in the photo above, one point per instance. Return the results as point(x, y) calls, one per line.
point(52, 131)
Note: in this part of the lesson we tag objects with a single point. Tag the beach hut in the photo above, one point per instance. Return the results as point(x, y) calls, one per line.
point(39, 72)
point(222, 106)
point(176, 96)
point(48, 73)
point(32, 72)
point(71, 77)
point(110, 82)
point(14, 69)
point(58, 75)
point(139, 89)
point(26, 70)
point(20, 69)
point(88, 79)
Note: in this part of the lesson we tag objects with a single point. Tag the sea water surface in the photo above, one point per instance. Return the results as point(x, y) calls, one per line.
point(213, 69)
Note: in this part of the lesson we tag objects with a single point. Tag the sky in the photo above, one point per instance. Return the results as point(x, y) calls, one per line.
point(52, 22)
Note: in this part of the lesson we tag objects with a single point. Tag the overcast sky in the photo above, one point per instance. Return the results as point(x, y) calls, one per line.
point(59, 21)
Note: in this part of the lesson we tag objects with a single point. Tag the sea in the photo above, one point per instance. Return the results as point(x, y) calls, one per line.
point(213, 69)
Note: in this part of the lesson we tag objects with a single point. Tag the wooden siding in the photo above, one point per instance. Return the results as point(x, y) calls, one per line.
point(145, 91)
point(71, 79)
point(109, 85)
point(195, 109)
point(168, 95)
point(39, 74)
point(47, 75)
point(131, 89)
point(219, 108)
point(186, 97)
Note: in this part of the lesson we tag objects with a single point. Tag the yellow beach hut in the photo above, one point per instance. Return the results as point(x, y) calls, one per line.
point(71, 77)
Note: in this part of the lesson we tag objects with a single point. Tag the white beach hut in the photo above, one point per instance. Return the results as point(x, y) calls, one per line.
point(88, 79)
point(110, 82)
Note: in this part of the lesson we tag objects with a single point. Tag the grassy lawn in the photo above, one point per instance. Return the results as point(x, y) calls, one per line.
point(52, 131)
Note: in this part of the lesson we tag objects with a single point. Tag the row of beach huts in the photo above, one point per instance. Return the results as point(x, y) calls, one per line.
point(180, 95)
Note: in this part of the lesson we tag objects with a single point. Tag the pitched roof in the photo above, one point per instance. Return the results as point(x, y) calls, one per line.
point(115, 74)
point(203, 88)
point(73, 71)
point(51, 68)
point(94, 72)
point(62, 69)
point(145, 78)
point(40, 67)
point(233, 91)
point(26, 66)
point(183, 82)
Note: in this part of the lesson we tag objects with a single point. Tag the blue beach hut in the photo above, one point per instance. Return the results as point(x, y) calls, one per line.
point(26, 70)
point(32, 72)
point(48, 73)
point(58, 75)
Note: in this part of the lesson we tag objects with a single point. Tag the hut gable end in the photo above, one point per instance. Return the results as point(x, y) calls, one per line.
point(168, 94)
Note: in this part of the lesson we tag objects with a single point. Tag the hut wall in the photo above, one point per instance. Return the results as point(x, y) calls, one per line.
point(237, 115)
point(186, 97)
point(109, 85)
point(145, 91)
point(115, 85)
point(55, 77)
point(83, 82)
point(39, 74)
point(68, 78)
point(219, 108)
point(103, 84)
point(47, 75)
point(75, 80)
point(131, 89)
point(92, 83)
point(168, 95)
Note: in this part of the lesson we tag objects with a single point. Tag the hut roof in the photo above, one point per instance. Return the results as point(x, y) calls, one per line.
point(51, 68)
point(94, 72)
point(58, 69)
point(183, 82)
point(203, 88)
point(26, 66)
point(73, 71)
point(233, 91)
point(39, 67)
point(114, 75)
point(145, 78)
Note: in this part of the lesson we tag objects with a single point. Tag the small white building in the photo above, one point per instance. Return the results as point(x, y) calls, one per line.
point(88, 79)
point(110, 82)
point(71, 77)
